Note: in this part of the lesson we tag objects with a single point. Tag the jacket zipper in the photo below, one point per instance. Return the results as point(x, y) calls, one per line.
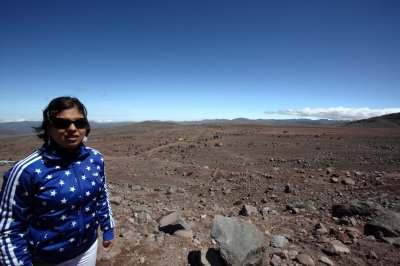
point(81, 194)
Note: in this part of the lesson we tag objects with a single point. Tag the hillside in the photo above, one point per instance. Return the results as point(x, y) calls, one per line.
point(384, 121)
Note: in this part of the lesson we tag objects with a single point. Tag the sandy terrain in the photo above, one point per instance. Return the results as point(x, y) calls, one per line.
point(203, 171)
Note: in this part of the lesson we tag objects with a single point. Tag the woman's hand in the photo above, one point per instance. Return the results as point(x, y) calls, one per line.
point(107, 245)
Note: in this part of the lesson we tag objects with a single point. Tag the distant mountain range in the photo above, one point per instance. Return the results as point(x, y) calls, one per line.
point(268, 122)
point(385, 121)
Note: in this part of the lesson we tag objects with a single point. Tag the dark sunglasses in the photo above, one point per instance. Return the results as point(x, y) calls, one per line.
point(62, 123)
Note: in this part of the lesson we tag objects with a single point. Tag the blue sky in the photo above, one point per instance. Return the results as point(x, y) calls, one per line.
point(191, 60)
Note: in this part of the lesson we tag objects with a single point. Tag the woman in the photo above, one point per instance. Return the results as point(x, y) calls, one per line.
point(53, 201)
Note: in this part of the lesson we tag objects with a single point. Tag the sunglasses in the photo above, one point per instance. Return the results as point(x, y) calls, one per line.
point(62, 123)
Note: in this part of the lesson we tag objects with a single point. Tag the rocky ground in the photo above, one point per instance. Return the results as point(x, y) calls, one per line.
point(317, 195)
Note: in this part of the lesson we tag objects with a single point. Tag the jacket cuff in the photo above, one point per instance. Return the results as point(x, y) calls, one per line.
point(108, 235)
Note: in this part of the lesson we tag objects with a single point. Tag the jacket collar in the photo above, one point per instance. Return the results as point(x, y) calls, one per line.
point(52, 151)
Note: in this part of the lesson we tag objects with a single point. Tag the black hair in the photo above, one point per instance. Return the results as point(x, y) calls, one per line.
point(55, 107)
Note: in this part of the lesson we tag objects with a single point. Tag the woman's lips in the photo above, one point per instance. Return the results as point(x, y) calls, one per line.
point(72, 138)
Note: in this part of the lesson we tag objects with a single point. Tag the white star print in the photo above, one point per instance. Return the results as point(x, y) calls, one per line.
point(38, 171)
point(93, 183)
point(61, 250)
point(87, 226)
point(61, 182)
point(78, 162)
point(73, 223)
point(84, 177)
point(58, 167)
point(91, 160)
point(63, 201)
point(63, 217)
point(87, 193)
point(72, 189)
point(88, 168)
point(53, 193)
point(49, 177)
point(87, 209)
point(44, 203)
point(72, 207)
point(72, 240)
point(67, 173)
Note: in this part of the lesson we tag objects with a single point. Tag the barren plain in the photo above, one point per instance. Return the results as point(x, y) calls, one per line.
point(292, 175)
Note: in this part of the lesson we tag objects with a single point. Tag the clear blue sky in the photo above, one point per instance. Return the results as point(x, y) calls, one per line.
point(190, 60)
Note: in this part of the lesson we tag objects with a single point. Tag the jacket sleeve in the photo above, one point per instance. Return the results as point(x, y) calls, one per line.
point(104, 211)
point(14, 215)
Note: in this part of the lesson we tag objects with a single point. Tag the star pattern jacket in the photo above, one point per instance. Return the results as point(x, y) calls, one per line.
point(52, 205)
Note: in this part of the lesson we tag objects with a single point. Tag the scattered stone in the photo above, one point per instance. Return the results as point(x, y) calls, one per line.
point(172, 222)
point(348, 181)
point(372, 255)
point(326, 260)
point(172, 189)
point(142, 216)
point(279, 241)
point(388, 223)
point(335, 247)
point(240, 242)
point(248, 210)
point(320, 229)
point(305, 259)
point(301, 206)
point(185, 233)
point(288, 188)
point(355, 208)
point(334, 180)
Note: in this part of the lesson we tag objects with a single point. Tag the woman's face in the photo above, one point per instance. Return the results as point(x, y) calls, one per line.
point(70, 137)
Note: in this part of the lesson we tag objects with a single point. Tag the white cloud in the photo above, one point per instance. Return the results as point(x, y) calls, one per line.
point(337, 113)
point(13, 120)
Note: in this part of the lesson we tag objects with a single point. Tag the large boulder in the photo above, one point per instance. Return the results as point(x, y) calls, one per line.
point(388, 223)
point(241, 243)
point(356, 208)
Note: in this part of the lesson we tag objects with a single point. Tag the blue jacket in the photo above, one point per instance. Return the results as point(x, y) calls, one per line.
point(51, 206)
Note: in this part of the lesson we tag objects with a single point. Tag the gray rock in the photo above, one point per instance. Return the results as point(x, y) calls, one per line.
point(302, 206)
point(326, 260)
point(388, 223)
point(305, 259)
point(279, 241)
point(356, 208)
point(348, 181)
point(288, 188)
point(142, 216)
point(240, 242)
point(248, 210)
point(320, 229)
point(172, 222)
point(184, 233)
point(335, 247)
